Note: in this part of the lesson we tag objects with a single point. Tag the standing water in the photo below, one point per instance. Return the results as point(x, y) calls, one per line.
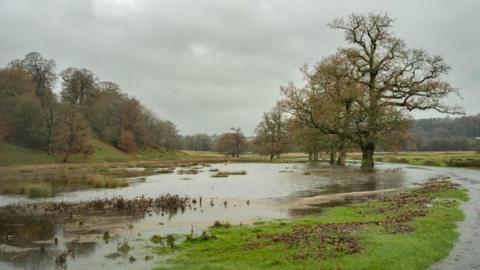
point(267, 191)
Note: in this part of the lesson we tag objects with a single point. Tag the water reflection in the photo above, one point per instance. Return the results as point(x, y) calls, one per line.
point(33, 243)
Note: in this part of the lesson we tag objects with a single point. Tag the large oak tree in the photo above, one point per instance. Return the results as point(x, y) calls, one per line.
point(395, 78)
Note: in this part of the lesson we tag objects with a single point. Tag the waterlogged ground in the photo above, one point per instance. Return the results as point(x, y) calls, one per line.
point(267, 191)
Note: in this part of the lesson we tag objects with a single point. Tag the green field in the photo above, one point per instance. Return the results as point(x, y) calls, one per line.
point(411, 231)
point(444, 159)
point(11, 154)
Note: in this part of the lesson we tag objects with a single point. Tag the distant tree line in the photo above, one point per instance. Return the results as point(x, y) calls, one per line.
point(198, 142)
point(33, 115)
point(441, 134)
point(232, 143)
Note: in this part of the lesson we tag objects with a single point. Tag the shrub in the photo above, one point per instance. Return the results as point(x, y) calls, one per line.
point(126, 142)
point(226, 174)
point(101, 181)
point(218, 224)
point(123, 247)
point(165, 171)
point(40, 190)
point(156, 239)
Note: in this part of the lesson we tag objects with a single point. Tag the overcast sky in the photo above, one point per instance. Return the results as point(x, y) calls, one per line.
point(211, 65)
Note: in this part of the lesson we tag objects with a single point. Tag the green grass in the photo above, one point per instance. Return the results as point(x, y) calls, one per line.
point(245, 247)
point(103, 152)
point(14, 154)
point(11, 154)
point(443, 159)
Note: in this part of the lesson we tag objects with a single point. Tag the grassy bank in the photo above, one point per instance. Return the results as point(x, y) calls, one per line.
point(444, 159)
point(408, 231)
point(11, 154)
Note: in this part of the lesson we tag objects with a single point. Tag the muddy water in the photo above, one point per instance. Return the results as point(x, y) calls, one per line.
point(268, 191)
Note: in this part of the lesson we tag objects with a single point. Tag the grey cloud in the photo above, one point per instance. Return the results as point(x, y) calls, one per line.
point(210, 65)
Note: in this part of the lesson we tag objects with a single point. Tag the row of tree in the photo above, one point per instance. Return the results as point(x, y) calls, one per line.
point(434, 134)
point(33, 115)
point(231, 143)
point(358, 97)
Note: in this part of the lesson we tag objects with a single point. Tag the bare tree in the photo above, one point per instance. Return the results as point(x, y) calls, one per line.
point(40, 69)
point(394, 77)
point(231, 143)
point(79, 85)
point(271, 133)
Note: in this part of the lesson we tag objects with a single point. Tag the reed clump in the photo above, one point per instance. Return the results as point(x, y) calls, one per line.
point(227, 173)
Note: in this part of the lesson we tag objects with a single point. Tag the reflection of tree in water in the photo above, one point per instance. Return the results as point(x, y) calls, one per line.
point(21, 231)
point(334, 180)
point(353, 180)
point(31, 243)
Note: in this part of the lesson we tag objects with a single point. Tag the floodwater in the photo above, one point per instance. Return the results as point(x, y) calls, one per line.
point(267, 191)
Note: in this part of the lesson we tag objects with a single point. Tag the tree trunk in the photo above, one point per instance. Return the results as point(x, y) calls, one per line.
point(271, 156)
point(65, 158)
point(333, 155)
point(341, 158)
point(367, 156)
point(342, 153)
point(47, 104)
point(315, 156)
point(368, 149)
point(310, 156)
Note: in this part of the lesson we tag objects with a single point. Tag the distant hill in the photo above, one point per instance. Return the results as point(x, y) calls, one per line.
point(437, 134)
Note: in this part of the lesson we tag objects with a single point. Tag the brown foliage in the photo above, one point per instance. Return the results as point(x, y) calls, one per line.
point(231, 143)
point(272, 137)
point(72, 133)
point(126, 142)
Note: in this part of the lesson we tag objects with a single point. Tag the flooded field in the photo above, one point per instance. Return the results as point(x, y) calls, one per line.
point(91, 228)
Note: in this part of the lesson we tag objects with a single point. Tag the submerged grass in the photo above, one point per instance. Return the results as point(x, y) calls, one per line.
point(409, 231)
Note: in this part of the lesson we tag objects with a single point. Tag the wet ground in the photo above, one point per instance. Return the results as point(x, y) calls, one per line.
point(267, 191)
point(466, 252)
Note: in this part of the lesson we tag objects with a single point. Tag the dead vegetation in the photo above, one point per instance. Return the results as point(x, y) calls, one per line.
point(227, 173)
point(166, 204)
